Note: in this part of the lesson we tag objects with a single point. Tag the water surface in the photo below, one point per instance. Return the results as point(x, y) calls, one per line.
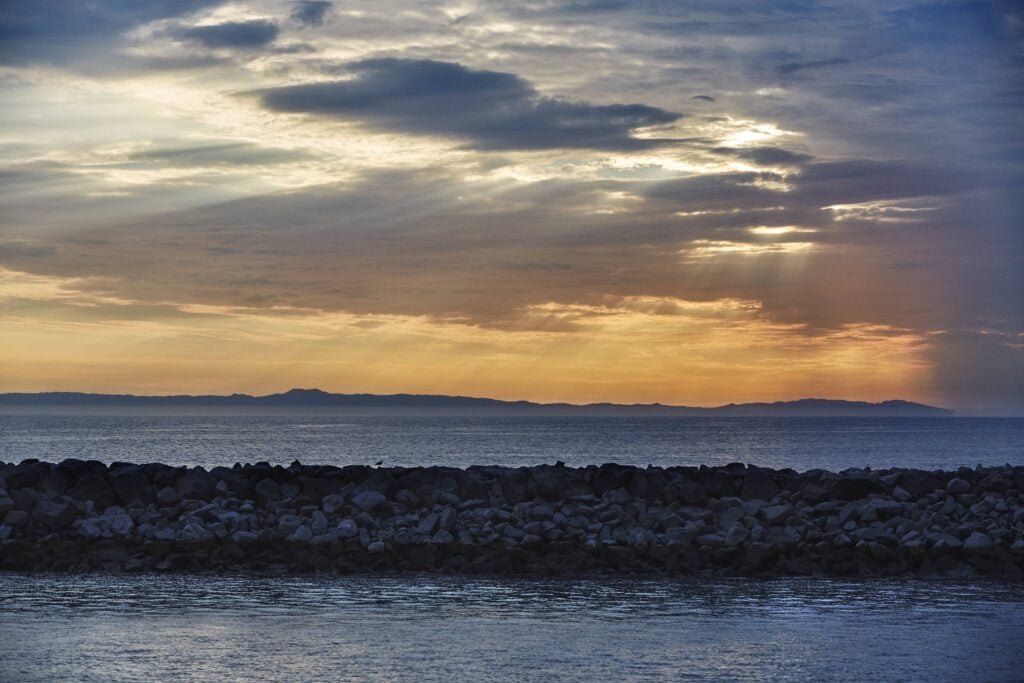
point(800, 443)
point(178, 628)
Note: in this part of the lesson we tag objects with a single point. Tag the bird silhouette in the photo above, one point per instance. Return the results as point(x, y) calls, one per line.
point(378, 463)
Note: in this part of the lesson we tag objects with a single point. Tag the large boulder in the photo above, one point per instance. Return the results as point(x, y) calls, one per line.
point(854, 488)
point(93, 487)
point(556, 482)
point(197, 484)
point(130, 484)
point(758, 485)
point(54, 515)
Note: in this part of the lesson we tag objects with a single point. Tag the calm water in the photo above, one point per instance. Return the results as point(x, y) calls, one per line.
point(800, 443)
point(90, 628)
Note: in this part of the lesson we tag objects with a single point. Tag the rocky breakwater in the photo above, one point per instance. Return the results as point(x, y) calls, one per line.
point(551, 519)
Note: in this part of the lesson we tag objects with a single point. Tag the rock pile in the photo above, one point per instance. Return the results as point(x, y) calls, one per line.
point(737, 520)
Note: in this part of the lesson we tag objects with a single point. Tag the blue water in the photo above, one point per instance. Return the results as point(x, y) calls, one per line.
point(186, 628)
point(800, 443)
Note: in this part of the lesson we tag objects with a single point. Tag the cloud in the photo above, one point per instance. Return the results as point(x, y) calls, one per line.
point(766, 156)
point(56, 31)
point(25, 249)
point(223, 154)
point(703, 98)
point(793, 67)
point(311, 12)
point(491, 109)
point(238, 35)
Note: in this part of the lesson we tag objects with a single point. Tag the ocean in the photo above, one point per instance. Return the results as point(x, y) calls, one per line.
point(424, 629)
point(430, 628)
point(799, 443)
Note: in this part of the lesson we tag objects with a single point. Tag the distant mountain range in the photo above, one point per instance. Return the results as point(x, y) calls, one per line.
point(316, 401)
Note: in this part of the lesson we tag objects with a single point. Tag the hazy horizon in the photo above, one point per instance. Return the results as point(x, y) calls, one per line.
point(581, 202)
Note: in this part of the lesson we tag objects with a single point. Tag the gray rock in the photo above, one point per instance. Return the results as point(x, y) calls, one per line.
point(167, 496)
point(347, 528)
point(957, 486)
point(774, 514)
point(5, 532)
point(712, 540)
point(287, 524)
point(727, 518)
point(17, 518)
point(428, 525)
point(736, 535)
point(442, 536)
point(194, 532)
point(448, 518)
point(978, 544)
point(303, 534)
point(375, 548)
point(265, 491)
point(245, 537)
point(54, 515)
point(333, 503)
point(326, 538)
point(369, 500)
point(318, 523)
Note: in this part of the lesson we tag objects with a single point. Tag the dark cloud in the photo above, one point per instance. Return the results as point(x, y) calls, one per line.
point(703, 98)
point(765, 156)
point(311, 12)
point(239, 35)
point(493, 110)
point(793, 67)
point(56, 31)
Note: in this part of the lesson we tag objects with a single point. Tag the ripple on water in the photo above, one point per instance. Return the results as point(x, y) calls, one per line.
point(110, 628)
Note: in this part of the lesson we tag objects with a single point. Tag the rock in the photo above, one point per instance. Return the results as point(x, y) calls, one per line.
point(54, 515)
point(369, 500)
point(978, 544)
point(759, 485)
point(442, 536)
point(194, 532)
point(93, 488)
point(303, 534)
point(197, 484)
point(167, 496)
point(494, 519)
point(245, 537)
point(541, 512)
point(727, 518)
point(333, 503)
point(318, 523)
point(130, 484)
point(347, 528)
point(855, 488)
point(448, 518)
point(17, 518)
point(266, 490)
point(957, 486)
point(774, 514)
point(428, 525)
point(736, 535)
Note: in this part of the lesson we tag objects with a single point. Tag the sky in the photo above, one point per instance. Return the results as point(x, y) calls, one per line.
point(593, 200)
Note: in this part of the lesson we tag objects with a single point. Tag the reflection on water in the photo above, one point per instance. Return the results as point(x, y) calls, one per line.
point(430, 628)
